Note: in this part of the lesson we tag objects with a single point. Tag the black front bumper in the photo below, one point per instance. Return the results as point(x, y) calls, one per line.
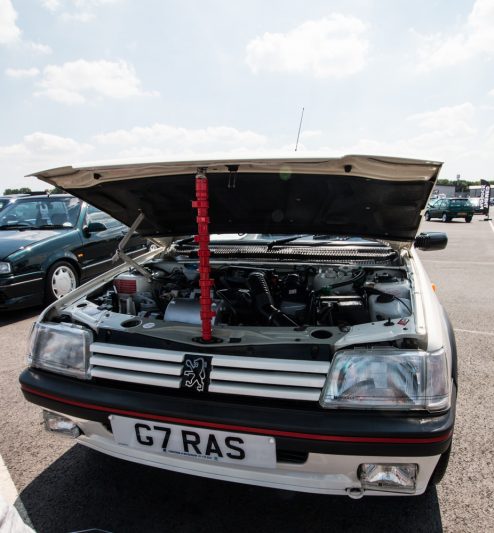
point(295, 427)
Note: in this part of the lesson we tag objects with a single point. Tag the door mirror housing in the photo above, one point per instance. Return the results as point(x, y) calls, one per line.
point(431, 240)
point(94, 227)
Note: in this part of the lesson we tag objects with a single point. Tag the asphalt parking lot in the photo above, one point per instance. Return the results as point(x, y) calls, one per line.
point(65, 487)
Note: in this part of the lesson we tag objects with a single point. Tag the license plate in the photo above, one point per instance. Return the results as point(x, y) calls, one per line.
point(195, 443)
point(461, 214)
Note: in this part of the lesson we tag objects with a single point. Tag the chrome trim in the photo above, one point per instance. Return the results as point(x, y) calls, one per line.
point(21, 282)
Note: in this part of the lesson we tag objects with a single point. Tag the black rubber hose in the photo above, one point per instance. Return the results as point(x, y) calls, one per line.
point(263, 301)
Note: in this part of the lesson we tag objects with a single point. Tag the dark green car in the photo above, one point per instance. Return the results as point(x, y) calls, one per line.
point(449, 208)
point(51, 244)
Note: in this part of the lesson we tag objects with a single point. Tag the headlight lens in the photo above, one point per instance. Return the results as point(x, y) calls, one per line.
point(60, 348)
point(5, 268)
point(387, 379)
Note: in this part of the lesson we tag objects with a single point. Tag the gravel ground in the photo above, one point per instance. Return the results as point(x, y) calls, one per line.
point(66, 487)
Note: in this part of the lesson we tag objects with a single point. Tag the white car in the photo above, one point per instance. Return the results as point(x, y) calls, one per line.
point(311, 354)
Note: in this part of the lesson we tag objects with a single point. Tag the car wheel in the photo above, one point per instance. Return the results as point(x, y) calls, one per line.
point(445, 218)
point(468, 219)
point(61, 279)
point(427, 215)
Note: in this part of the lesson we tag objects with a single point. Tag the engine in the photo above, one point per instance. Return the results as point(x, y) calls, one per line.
point(246, 295)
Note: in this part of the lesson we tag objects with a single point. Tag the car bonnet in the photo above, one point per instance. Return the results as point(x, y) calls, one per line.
point(356, 195)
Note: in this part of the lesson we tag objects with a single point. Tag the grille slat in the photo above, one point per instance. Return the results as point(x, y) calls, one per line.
point(269, 378)
point(143, 378)
point(127, 363)
point(265, 391)
point(169, 356)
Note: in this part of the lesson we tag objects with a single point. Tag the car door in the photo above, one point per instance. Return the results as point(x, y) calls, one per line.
point(100, 234)
point(437, 209)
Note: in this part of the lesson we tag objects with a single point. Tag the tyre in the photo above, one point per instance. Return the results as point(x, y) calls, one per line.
point(61, 279)
point(445, 218)
point(468, 219)
point(427, 215)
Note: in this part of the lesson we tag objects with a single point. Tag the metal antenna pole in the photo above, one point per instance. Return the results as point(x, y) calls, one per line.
point(299, 128)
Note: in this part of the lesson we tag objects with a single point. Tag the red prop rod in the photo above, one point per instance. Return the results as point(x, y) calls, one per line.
point(202, 238)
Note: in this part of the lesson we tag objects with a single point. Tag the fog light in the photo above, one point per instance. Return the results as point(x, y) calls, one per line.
point(60, 424)
point(389, 477)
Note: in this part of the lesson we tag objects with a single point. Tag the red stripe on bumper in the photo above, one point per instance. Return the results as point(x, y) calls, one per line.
point(244, 429)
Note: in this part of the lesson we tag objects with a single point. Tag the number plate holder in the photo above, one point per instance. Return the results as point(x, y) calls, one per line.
point(200, 444)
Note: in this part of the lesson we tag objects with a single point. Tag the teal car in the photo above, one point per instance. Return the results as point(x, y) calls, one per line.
point(49, 244)
point(449, 208)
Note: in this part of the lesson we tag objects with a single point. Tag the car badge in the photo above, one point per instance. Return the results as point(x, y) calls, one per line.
point(196, 372)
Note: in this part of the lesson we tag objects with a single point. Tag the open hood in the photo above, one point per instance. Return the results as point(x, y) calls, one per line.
point(368, 196)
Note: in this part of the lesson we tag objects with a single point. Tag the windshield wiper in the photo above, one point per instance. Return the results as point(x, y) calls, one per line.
point(54, 226)
point(17, 226)
point(285, 240)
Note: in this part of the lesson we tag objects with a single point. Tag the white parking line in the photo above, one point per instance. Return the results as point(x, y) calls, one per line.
point(9, 495)
point(489, 333)
point(7, 487)
point(492, 225)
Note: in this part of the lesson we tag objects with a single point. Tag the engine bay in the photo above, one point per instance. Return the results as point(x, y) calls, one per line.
point(261, 295)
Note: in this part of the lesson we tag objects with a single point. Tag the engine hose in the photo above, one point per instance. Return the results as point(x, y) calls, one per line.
point(263, 301)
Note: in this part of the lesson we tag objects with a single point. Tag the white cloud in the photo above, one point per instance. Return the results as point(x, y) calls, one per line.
point(80, 16)
point(474, 38)
point(9, 31)
point(21, 72)
point(335, 46)
point(51, 5)
point(163, 138)
point(76, 10)
point(76, 81)
point(451, 121)
point(37, 151)
point(37, 48)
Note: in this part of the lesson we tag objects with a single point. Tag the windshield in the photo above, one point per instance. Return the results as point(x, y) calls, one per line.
point(40, 213)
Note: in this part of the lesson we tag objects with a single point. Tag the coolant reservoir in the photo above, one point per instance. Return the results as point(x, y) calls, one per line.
point(398, 288)
point(384, 306)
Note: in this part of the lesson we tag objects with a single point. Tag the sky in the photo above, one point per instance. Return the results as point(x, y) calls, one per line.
point(89, 80)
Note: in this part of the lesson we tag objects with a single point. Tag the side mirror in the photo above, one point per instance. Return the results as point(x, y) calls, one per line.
point(431, 240)
point(93, 227)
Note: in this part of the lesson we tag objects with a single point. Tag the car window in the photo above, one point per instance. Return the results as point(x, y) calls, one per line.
point(42, 212)
point(95, 215)
point(458, 202)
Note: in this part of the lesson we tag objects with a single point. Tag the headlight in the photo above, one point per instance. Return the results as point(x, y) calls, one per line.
point(5, 268)
point(387, 379)
point(60, 348)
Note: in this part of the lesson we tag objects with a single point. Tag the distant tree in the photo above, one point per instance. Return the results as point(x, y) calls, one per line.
point(56, 190)
point(22, 190)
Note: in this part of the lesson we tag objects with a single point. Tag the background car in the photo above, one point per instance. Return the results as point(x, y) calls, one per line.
point(51, 244)
point(448, 208)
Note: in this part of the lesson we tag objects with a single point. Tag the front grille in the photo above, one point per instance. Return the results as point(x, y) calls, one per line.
point(230, 374)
